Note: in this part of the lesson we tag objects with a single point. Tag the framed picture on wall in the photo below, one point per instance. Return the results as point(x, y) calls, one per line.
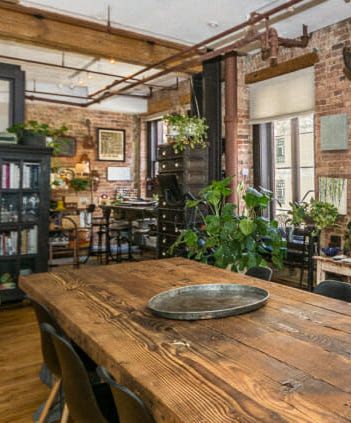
point(111, 144)
point(66, 147)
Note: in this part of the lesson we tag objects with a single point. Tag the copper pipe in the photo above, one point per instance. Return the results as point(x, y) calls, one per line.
point(251, 21)
point(79, 97)
point(231, 122)
point(54, 65)
point(250, 37)
point(66, 103)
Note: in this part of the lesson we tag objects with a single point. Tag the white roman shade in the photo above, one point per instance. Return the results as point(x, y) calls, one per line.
point(285, 95)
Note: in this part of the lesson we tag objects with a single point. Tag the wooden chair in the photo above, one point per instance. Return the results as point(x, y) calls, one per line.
point(131, 408)
point(84, 402)
point(334, 289)
point(259, 272)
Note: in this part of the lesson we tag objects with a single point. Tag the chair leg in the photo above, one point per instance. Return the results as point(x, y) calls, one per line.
point(65, 415)
point(50, 400)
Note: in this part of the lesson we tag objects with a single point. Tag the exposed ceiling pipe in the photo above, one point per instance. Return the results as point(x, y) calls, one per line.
point(255, 18)
point(79, 97)
point(250, 37)
point(62, 66)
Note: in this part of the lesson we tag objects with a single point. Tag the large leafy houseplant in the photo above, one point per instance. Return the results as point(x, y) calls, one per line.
point(229, 238)
point(186, 131)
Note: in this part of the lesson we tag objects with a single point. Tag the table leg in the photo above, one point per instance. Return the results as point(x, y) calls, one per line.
point(320, 272)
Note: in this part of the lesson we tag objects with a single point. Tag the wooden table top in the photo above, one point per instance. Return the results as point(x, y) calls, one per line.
point(288, 361)
point(326, 259)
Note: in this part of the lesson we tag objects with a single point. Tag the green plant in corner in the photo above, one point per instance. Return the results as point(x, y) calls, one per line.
point(230, 239)
point(323, 214)
point(186, 131)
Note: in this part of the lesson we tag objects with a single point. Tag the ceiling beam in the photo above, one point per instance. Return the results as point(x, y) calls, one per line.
point(61, 32)
point(292, 65)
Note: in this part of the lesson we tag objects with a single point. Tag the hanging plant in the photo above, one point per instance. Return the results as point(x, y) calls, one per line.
point(186, 131)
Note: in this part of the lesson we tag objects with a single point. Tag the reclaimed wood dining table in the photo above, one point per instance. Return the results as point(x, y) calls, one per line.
point(289, 361)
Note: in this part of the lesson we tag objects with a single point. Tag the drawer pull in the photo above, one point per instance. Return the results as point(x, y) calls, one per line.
point(163, 254)
point(164, 153)
point(164, 216)
point(163, 166)
point(164, 240)
point(164, 228)
point(176, 165)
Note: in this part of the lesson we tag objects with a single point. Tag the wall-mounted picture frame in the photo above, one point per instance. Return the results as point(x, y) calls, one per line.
point(111, 144)
point(66, 147)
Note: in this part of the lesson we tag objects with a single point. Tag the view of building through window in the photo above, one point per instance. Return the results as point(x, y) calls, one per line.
point(294, 160)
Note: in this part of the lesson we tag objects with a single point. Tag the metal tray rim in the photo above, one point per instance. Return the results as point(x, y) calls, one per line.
point(210, 314)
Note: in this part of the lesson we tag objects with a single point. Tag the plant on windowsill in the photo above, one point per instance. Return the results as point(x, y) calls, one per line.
point(229, 237)
point(317, 214)
point(39, 134)
point(186, 131)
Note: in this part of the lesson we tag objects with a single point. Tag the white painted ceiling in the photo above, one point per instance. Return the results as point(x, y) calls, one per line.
point(188, 20)
point(182, 20)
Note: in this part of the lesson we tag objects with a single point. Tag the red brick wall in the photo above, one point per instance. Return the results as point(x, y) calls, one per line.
point(332, 96)
point(75, 118)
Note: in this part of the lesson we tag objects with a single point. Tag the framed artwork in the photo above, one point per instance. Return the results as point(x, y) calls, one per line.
point(334, 191)
point(66, 147)
point(111, 144)
point(118, 174)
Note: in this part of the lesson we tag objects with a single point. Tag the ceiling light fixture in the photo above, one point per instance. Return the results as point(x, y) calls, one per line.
point(112, 61)
point(213, 24)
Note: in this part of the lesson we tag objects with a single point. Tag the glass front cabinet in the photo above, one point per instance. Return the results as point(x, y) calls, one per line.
point(24, 215)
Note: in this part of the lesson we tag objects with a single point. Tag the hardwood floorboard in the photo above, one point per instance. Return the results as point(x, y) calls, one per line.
point(21, 391)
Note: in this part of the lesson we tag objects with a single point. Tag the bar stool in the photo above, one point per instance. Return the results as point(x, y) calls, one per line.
point(99, 235)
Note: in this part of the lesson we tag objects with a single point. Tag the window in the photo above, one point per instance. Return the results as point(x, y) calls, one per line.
point(280, 190)
point(155, 134)
point(294, 160)
point(280, 150)
point(283, 156)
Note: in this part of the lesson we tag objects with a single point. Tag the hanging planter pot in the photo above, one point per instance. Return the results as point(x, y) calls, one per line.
point(186, 131)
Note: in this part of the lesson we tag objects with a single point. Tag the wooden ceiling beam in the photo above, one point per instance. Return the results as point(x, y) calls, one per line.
point(61, 32)
point(292, 65)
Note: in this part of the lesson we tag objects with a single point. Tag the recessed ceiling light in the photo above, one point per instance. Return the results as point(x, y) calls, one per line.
point(213, 24)
point(112, 61)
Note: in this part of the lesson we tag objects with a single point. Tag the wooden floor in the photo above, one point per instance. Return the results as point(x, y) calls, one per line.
point(21, 391)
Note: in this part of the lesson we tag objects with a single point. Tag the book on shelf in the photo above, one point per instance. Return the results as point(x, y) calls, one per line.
point(10, 175)
point(29, 240)
point(30, 175)
point(8, 243)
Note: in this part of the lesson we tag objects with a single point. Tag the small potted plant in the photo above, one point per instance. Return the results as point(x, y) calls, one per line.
point(79, 184)
point(38, 134)
point(186, 131)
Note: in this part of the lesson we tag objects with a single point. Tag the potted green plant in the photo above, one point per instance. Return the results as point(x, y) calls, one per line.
point(231, 238)
point(38, 134)
point(79, 184)
point(186, 131)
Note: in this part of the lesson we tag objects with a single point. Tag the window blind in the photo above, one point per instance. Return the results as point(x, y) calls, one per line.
point(285, 95)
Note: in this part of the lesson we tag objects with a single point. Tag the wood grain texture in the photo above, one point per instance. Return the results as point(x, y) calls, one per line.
point(21, 391)
point(292, 65)
point(289, 361)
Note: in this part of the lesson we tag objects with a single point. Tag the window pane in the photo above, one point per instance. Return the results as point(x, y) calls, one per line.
point(307, 183)
point(282, 165)
point(4, 105)
point(283, 188)
point(306, 150)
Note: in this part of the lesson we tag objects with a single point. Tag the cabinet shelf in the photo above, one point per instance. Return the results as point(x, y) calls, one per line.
point(27, 173)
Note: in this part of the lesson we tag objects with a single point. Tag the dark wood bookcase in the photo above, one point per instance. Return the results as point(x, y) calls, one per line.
point(24, 215)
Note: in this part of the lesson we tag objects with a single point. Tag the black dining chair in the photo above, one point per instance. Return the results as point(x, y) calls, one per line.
point(334, 289)
point(259, 272)
point(49, 355)
point(84, 402)
point(131, 408)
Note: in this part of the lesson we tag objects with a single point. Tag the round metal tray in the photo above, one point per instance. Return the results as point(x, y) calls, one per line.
point(207, 301)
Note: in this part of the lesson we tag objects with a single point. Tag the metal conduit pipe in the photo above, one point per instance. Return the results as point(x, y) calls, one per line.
point(255, 18)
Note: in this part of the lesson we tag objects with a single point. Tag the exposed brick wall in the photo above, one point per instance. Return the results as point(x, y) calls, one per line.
point(332, 96)
point(75, 118)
